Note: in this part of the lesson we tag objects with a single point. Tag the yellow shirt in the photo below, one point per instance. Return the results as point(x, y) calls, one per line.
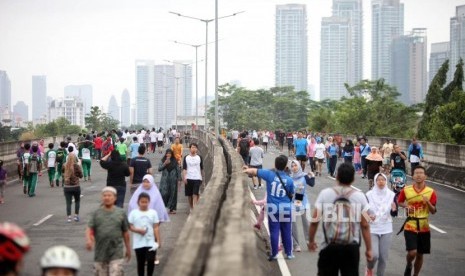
point(414, 199)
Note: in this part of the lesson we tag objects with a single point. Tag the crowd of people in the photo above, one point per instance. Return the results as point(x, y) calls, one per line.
point(347, 215)
point(124, 156)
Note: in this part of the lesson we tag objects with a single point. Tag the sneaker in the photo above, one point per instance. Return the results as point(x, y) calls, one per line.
point(364, 177)
point(2, 201)
point(290, 256)
point(408, 270)
point(368, 272)
point(272, 258)
point(260, 186)
point(297, 249)
point(76, 218)
point(69, 219)
point(254, 187)
point(157, 262)
point(24, 190)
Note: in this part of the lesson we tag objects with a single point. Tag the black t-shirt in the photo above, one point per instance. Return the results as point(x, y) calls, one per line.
point(140, 165)
point(117, 171)
point(399, 163)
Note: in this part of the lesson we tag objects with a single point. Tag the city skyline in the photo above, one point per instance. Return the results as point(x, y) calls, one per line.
point(68, 56)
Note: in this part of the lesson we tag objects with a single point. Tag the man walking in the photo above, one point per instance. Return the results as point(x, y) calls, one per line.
point(387, 150)
point(192, 171)
point(415, 154)
point(107, 230)
point(139, 167)
point(256, 161)
point(340, 249)
point(420, 201)
point(300, 145)
point(364, 151)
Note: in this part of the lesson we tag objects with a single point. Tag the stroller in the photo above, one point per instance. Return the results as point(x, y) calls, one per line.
point(398, 179)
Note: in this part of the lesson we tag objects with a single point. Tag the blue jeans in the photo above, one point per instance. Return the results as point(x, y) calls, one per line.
point(285, 228)
point(120, 193)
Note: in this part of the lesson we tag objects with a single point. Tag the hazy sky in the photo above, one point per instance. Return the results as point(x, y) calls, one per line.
point(97, 41)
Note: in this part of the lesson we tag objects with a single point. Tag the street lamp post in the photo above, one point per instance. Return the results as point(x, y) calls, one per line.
point(206, 21)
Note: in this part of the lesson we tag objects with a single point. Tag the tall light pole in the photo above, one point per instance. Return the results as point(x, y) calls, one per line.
point(206, 21)
point(217, 123)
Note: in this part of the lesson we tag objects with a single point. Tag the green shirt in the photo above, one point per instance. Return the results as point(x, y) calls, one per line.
point(108, 227)
point(121, 148)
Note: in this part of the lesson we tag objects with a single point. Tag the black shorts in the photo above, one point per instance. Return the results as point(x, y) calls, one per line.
point(320, 160)
point(339, 258)
point(160, 144)
point(421, 242)
point(192, 187)
point(301, 158)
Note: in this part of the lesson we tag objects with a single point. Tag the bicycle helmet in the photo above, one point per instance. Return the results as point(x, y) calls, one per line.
point(13, 242)
point(60, 256)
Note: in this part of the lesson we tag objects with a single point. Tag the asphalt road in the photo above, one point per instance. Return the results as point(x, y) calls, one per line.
point(44, 219)
point(447, 239)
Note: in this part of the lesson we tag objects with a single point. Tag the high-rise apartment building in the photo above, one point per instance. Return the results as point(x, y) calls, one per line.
point(291, 46)
point(183, 71)
point(440, 52)
point(20, 112)
point(387, 24)
point(353, 10)
point(113, 108)
point(457, 39)
point(408, 68)
point(335, 57)
point(145, 94)
point(70, 108)
point(5, 91)
point(83, 92)
point(39, 98)
point(165, 94)
point(125, 108)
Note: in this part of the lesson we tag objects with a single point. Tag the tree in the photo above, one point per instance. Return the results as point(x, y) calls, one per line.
point(97, 120)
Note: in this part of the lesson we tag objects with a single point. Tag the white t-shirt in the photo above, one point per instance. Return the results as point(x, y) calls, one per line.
point(256, 156)
point(85, 152)
point(140, 138)
point(266, 137)
point(235, 134)
point(320, 151)
point(160, 136)
point(153, 137)
point(325, 201)
point(193, 166)
point(51, 158)
point(380, 205)
point(143, 219)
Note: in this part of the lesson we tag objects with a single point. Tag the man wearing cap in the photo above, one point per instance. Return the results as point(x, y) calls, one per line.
point(107, 230)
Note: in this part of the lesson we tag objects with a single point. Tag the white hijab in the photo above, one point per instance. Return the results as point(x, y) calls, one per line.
point(380, 199)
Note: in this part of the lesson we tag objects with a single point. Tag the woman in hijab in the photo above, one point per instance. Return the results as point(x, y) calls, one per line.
point(374, 165)
point(156, 202)
point(382, 208)
point(301, 203)
point(170, 175)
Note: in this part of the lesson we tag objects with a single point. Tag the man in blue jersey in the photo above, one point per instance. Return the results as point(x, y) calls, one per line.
point(280, 190)
point(300, 146)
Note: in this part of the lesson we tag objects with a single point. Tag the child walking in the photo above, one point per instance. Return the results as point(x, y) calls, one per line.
point(143, 222)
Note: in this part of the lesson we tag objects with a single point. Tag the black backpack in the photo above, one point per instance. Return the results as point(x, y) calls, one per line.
point(244, 146)
point(60, 156)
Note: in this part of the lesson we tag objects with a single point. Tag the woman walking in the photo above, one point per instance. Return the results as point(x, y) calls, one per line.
point(311, 153)
point(170, 175)
point(357, 158)
point(382, 208)
point(85, 150)
point(117, 173)
point(319, 155)
point(72, 172)
point(348, 151)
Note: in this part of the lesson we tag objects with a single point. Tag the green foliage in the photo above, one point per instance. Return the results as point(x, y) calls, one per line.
point(444, 113)
point(97, 120)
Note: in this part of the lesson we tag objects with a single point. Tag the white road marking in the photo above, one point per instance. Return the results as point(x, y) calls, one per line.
point(42, 220)
point(437, 229)
point(281, 261)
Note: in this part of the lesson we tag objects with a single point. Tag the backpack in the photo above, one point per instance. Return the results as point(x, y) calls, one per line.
point(60, 157)
point(33, 166)
point(340, 230)
point(244, 146)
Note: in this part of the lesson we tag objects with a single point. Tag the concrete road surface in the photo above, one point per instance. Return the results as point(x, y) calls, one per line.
point(44, 219)
point(447, 240)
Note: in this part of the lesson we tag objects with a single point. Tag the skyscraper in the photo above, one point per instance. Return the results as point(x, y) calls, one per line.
point(335, 57)
point(145, 94)
point(71, 108)
point(291, 46)
point(83, 92)
point(408, 69)
point(183, 71)
point(353, 10)
point(113, 108)
point(440, 52)
point(39, 98)
point(5, 91)
point(387, 24)
point(165, 94)
point(125, 108)
point(457, 39)
point(20, 112)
